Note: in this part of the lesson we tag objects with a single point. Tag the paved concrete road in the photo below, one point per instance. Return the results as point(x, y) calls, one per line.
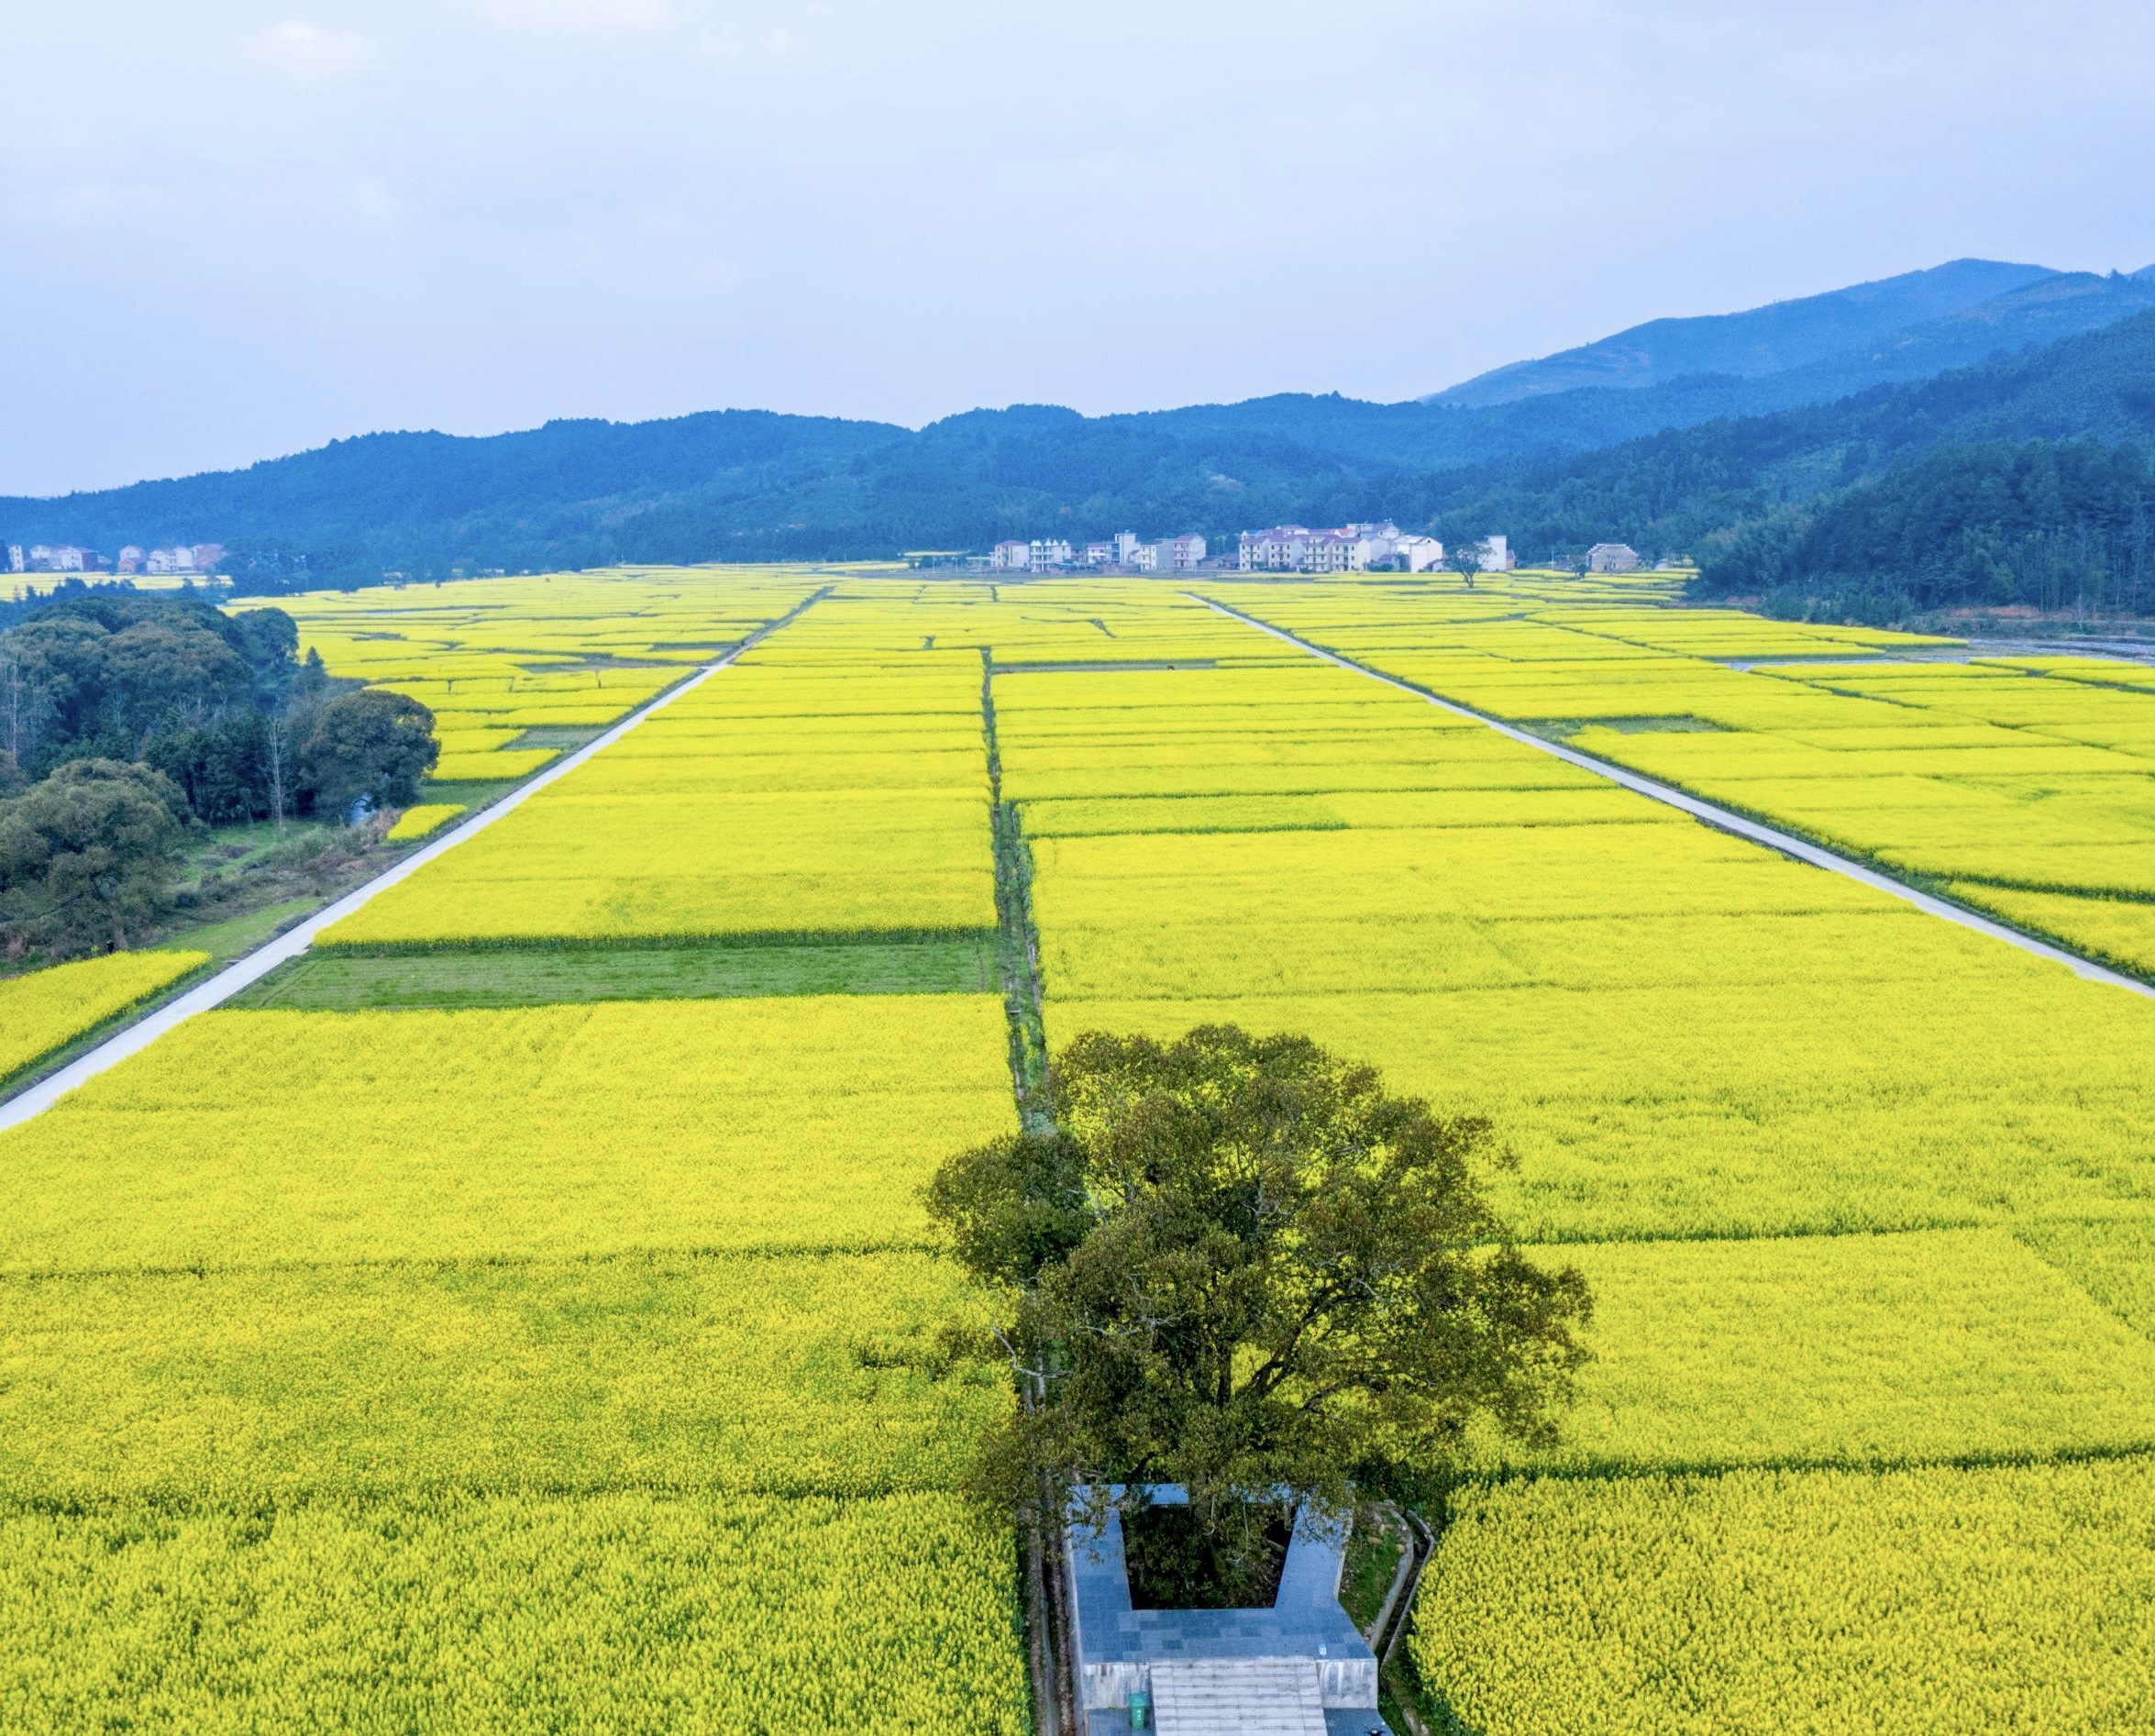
point(1787, 843)
point(230, 980)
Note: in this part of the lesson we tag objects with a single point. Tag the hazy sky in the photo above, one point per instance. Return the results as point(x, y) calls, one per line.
point(235, 229)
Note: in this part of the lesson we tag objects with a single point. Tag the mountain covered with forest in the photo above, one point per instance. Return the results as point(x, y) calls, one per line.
point(1728, 438)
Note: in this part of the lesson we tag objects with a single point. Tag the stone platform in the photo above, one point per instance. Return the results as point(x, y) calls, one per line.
point(1299, 1668)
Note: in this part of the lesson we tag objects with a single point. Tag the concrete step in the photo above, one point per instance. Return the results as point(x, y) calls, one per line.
point(1255, 1697)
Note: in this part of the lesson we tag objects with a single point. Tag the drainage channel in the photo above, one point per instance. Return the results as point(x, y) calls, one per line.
point(1056, 1701)
point(1723, 819)
point(229, 981)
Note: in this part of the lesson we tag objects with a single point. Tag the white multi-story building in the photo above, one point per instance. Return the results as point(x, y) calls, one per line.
point(1612, 558)
point(1100, 554)
point(1496, 555)
point(1418, 554)
point(1180, 554)
point(1347, 548)
point(1126, 546)
point(179, 558)
point(1282, 548)
point(15, 560)
point(1170, 553)
point(58, 557)
point(1051, 552)
point(1008, 557)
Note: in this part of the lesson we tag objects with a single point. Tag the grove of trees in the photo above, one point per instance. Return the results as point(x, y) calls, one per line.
point(130, 722)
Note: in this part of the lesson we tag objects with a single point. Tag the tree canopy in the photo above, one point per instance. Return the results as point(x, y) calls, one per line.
point(374, 745)
point(1237, 1264)
point(88, 853)
point(219, 702)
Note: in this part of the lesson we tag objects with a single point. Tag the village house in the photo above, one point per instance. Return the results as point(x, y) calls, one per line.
point(1348, 548)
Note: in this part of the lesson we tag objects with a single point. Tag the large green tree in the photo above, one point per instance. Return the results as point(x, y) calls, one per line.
point(373, 744)
point(88, 855)
point(1236, 1263)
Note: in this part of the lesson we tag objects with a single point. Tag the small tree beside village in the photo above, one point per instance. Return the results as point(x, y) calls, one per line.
point(1237, 1264)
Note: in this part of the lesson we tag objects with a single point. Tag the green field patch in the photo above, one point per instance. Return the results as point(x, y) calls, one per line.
point(559, 738)
point(473, 792)
point(1565, 728)
point(344, 980)
point(237, 935)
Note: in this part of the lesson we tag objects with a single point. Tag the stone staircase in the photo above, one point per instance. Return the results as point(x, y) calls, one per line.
point(1239, 1697)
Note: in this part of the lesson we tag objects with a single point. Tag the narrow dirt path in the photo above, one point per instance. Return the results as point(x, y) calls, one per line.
point(134, 1038)
point(1726, 819)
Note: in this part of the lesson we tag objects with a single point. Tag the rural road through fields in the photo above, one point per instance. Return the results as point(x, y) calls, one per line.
point(39, 1097)
point(1727, 818)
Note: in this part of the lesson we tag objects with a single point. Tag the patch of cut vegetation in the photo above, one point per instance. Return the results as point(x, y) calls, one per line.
point(345, 981)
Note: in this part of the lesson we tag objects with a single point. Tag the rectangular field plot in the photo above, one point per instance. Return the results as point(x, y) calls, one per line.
point(568, 867)
point(1752, 1111)
point(1932, 1602)
point(805, 1123)
point(585, 1615)
point(1849, 1349)
point(778, 1375)
point(767, 801)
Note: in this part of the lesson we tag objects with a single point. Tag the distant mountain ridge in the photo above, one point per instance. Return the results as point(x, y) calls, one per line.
point(760, 485)
point(1823, 347)
point(1684, 489)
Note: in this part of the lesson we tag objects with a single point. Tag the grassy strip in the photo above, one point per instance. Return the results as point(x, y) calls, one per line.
point(1017, 939)
point(561, 737)
point(746, 940)
point(345, 981)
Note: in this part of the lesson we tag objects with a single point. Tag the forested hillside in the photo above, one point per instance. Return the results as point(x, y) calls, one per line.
point(1760, 499)
point(1744, 494)
point(1553, 467)
point(2047, 525)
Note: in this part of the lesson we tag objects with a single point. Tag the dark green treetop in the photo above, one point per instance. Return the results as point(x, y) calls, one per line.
point(1239, 1265)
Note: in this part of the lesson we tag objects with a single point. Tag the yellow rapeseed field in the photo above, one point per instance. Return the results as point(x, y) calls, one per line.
point(46, 1009)
point(424, 819)
point(578, 1365)
point(1939, 1601)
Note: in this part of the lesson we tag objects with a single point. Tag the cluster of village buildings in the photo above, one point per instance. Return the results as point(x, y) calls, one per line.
point(1371, 548)
point(199, 558)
